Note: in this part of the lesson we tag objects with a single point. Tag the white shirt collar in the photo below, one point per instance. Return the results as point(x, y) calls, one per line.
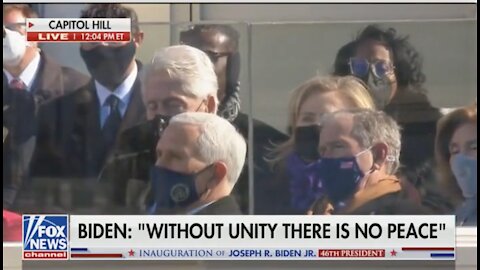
point(29, 73)
point(122, 91)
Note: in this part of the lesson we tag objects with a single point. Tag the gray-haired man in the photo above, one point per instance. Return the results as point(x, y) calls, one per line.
point(360, 152)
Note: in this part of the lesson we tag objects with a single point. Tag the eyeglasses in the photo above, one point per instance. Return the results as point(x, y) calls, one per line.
point(214, 56)
point(360, 67)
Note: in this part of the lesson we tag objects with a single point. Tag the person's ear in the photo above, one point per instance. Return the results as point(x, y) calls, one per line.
point(219, 173)
point(380, 152)
point(211, 104)
point(138, 38)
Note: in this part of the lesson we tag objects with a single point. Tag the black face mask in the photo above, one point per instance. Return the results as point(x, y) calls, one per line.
point(143, 137)
point(136, 150)
point(107, 65)
point(306, 142)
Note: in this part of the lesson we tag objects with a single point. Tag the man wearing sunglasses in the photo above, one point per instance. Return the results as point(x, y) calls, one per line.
point(79, 131)
point(30, 79)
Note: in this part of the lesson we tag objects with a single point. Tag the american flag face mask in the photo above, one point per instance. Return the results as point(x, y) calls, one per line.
point(340, 177)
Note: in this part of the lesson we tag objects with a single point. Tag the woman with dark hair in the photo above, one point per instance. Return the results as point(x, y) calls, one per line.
point(392, 69)
point(383, 54)
point(341, 66)
point(456, 155)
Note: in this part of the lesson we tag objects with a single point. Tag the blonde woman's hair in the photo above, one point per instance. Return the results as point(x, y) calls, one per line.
point(350, 89)
point(446, 127)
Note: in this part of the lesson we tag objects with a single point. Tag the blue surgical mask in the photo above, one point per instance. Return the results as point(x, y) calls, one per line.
point(173, 189)
point(464, 169)
point(340, 176)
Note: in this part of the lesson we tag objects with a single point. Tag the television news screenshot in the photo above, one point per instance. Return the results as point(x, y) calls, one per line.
point(173, 135)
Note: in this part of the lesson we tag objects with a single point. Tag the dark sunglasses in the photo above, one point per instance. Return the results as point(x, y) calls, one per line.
point(214, 56)
point(360, 67)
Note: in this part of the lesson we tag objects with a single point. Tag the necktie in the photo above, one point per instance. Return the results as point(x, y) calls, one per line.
point(112, 123)
point(17, 84)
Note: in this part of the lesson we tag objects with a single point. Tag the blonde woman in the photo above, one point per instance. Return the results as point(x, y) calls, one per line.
point(456, 156)
point(291, 191)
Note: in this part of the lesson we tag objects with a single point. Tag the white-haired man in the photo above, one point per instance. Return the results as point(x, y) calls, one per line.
point(360, 152)
point(178, 79)
point(199, 159)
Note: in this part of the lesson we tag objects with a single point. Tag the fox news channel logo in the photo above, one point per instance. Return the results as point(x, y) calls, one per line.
point(45, 237)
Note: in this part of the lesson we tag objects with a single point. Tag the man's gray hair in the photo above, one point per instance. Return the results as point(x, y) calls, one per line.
point(218, 141)
point(372, 127)
point(191, 67)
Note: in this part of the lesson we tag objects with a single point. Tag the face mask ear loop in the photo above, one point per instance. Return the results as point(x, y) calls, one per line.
point(206, 193)
point(207, 190)
point(363, 151)
point(365, 182)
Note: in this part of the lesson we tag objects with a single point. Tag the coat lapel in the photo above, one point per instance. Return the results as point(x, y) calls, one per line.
point(48, 81)
point(136, 110)
point(135, 114)
point(86, 134)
